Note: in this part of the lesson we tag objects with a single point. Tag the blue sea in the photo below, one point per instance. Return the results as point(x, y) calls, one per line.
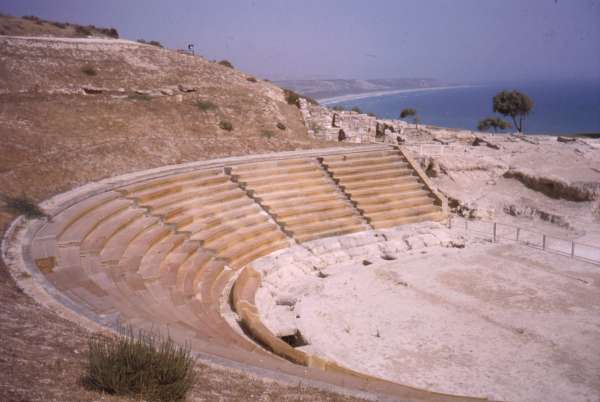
point(559, 107)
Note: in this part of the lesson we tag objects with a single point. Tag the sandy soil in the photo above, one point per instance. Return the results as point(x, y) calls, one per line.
point(503, 321)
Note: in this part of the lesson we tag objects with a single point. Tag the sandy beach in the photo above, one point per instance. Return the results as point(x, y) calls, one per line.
point(344, 98)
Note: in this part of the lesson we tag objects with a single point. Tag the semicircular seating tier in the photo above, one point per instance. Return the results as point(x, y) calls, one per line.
point(164, 251)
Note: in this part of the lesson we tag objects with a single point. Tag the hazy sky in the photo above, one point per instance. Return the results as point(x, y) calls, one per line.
point(455, 40)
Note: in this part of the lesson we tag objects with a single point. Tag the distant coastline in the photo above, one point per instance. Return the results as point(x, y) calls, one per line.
point(364, 95)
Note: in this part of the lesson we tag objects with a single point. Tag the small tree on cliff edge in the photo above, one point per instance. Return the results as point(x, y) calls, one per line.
point(495, 123)
point(410, 112)
point(515, 104)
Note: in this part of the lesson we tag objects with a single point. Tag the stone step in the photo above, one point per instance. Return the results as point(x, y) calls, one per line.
point(168, 180)
point(349, 187)
point(190, 269)
point(152, 260)
point(188, 194)
point(82, 227)
point(262, 171)
point(200, 225)
point(401, 213)
point(346, 179)
point(360, 155)
point(294, 209)
point(117, 244)
point(142, 244)
point(250, 254)
point(178, 187)
point(370, 209)
point(63, 220)
point(260, 181)
point(322, 227)
point(362, 162)
point(393, 190)
point(196, 208)
point(287, 195)
point(376, 199)
point(282, 163)
point(102, 233)
point(300, 198)
point(234, 250)
point(375, 166)
point(230, 234)
point(191, 200)
point(271, 187)
point(292, 222)
point(422, 199)
point(384, 223)
point(332, 231)
point(174, 260)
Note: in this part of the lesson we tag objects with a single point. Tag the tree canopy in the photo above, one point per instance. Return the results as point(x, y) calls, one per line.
point(495, 123)
point(410, 112)
point(515, 104)
point(407, 113)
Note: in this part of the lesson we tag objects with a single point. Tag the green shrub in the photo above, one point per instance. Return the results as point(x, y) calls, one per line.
point(338, 108)
point(291, 97)
point(281, 126)
point(205, 106)
point(89, 70)
point(267, 134)
point(61, 25)
point(226, 125)
point(143, 365)
point(356, 109)
point(23, 206)
point(226, 63)
point(113, 33)
point(83, 31)
point(139, 97)
point(151, 42)
point(251, 79)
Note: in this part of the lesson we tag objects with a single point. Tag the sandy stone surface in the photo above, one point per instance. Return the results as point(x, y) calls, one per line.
point(532, 181)
point(504, 321)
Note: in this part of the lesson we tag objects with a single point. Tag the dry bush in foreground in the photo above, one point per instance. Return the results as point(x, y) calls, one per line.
point(143, 365)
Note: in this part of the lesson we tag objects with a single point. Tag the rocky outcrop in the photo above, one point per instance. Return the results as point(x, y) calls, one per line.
point(555, 187)
point(324, 123)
